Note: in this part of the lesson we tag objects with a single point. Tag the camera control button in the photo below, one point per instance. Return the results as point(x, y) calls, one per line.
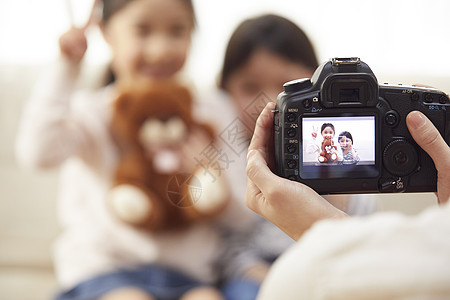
point(443, 99)
point(291, 132)
point(392, 185)
point(400, 158)
point(291, 148)
point(291, 117)
point(391, 118)
point(415, 96)
point(291, 164)
point(297, 85)
point(428, 98)
point(307, 103)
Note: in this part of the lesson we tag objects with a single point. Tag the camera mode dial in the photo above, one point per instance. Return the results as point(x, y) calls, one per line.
point(400, 157)
point(297, 85)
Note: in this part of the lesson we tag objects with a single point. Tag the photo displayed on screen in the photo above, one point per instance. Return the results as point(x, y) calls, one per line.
point(329, 141)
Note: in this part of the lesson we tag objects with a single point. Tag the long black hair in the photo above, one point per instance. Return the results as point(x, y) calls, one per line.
point(273, 33)
point(110, 7)
point(325, 125)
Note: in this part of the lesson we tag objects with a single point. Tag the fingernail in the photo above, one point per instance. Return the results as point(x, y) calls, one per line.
point(250, 154)
point(416, 119)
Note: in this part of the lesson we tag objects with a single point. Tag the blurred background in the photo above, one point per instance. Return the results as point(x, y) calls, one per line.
point(403, 42)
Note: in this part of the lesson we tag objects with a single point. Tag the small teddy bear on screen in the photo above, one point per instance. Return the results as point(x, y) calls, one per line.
point(328, 153)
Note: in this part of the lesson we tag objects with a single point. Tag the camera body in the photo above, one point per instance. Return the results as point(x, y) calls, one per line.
point(371, 148)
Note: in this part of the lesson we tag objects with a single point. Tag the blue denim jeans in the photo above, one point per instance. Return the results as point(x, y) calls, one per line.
point(240, 289)
point(160, 282)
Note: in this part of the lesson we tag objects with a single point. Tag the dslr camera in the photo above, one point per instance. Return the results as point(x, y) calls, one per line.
point(340, 132)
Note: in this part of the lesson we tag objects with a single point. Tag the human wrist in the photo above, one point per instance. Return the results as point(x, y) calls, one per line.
point(326, 212)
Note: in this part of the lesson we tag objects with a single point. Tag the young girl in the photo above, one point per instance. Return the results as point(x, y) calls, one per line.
point(97, 256)
point(327, 130)
point(349, 153)
point(262, 54)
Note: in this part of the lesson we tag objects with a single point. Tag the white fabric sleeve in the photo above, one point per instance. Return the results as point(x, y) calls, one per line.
point(387, 256)
point(47, 133)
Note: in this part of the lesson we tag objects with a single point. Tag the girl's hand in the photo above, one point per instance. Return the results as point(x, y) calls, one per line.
point(291, 206)
point(73, 44)
point(315, 131)
point(350, 145)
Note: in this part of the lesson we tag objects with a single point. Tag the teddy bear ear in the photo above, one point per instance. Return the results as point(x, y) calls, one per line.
point(122, 103)
point(184, 94)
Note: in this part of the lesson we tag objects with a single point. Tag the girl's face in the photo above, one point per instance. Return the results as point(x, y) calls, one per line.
point(149, 38)
point(345, 142)
point(263, 72)
point(328, 133)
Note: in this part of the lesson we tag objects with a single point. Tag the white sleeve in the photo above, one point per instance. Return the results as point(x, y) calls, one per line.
point(313, 146)
point(339, 152)
point(386, 256)
point(47, 133)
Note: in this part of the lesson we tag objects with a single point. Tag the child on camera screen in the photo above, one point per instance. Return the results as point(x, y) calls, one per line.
point(349, 153)
point(328, 132)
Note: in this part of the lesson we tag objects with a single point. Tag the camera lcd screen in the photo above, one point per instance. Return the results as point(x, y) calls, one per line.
point(338, 147)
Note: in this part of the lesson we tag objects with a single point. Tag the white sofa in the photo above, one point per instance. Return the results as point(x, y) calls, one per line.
point(28, 223)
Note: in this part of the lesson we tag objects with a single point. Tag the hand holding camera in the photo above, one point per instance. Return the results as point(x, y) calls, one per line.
point(291, 206)
point(294, 206)
point(430, 140)
point(375, 151)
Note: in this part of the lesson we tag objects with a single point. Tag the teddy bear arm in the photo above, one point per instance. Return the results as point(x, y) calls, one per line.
point(132, 168)
point(208, 129)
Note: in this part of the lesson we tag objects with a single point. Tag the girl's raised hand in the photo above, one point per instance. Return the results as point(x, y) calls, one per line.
point(315, 131)
point(73, 43)
point(350, 145)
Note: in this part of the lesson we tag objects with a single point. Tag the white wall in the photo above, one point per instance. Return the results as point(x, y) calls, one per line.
point(402, 40)
point(397, 38)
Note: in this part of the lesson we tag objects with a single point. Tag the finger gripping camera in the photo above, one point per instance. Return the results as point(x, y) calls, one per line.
point(340, 132)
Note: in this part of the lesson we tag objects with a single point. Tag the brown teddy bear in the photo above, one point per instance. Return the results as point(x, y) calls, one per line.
point(155, 187)
point(327, 153)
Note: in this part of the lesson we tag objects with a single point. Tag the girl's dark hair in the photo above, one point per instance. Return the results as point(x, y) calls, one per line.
point(273, 33)
point(110, 7)
point(346, 134)
point(325, 125)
